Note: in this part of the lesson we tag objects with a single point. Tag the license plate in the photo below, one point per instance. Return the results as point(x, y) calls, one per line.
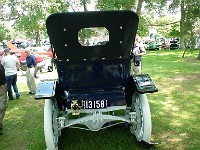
point(95, 104)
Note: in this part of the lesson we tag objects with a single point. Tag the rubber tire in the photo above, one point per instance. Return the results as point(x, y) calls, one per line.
point(140, 105)
point(50, 139)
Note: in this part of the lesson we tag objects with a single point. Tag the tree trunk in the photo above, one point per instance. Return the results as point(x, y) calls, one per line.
point(139, 7)
point(85, 5)
point(182, 23)
point(184, 53)
point(198, 32)
point(199, 54)
point(37, 38)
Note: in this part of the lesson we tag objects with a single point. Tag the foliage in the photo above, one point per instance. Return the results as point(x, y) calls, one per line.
point(124, 5)
point(78, 5)
point(31, 15)
point(115, 5)
point(4, 33)
point(157, 7)
point(189, 17)
point(56, 6)
point(99, 33)
point(85, 34)
point(145, 20)
point(174, 32)
point(142, 27)
point(33, 22)
point(166, 28)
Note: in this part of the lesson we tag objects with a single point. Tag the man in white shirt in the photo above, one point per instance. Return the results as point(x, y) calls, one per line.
point(11, 65)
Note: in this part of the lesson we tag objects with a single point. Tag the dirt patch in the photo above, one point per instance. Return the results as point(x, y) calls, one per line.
point(191, 60)
point(194, 76)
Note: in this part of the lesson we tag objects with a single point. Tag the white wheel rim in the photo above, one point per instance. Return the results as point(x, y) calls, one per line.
point(51, 112)
point(142, 128)
point(55, 114)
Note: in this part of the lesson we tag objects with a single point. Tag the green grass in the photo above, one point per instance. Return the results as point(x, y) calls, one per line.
point(174, 109)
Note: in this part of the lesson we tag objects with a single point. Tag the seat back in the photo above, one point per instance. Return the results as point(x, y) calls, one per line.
point(93, 75)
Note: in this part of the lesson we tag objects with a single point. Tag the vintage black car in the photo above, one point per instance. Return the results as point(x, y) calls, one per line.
point(94, 82)
point(174, 45)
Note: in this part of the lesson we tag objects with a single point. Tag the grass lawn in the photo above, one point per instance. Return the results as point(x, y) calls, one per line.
point(174, 109)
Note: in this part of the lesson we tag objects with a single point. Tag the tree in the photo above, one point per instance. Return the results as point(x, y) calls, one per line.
point(4, 33)
point(126, 5)
point(137, 6)
point(77, 5)
point(167, 27)
point(115, 5)
point(31, 15)
point(189, 15)
point(33, 23)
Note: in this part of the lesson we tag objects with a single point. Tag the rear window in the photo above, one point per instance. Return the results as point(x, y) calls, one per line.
point(93, 36)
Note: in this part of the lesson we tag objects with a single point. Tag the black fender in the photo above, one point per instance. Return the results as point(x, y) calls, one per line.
point(144, 84)
point(141, 83)
point(46, 89)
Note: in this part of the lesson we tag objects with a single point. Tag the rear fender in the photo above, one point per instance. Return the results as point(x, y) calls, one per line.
point(46, 89)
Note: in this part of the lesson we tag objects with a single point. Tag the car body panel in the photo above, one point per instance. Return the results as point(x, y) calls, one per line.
point(45, 52)
point(153, 46)
point(22, 56)
point(174, 45)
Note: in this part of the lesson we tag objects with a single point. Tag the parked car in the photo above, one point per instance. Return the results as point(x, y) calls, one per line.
point(46, 52)
point(153, 46)
point(42, 62)
point(22, 58)
point(174, 45)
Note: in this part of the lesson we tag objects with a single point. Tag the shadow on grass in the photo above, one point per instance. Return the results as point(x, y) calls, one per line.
point(23, 124)
point(175, 112)
point(117, 138)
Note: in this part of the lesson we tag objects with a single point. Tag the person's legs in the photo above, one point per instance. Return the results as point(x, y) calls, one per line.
point(137, 69)
point(31, 79)
point(33, 85)
point(14, 84)
point(9, 87)
point(28, 78)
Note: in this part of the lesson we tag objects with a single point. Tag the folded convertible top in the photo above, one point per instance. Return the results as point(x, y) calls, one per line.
point(63, 29)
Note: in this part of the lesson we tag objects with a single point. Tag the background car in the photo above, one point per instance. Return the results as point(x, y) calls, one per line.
point(22, 58)
point(174, 45)
point(45, 51)
point(153, 46)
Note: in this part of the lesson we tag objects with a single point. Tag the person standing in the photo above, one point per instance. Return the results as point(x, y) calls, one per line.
point(3, 96)
point(31, 72)
point(137, 52)
point(11, 65)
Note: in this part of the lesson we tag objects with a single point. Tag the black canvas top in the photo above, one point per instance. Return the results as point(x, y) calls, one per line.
point(63, 29)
